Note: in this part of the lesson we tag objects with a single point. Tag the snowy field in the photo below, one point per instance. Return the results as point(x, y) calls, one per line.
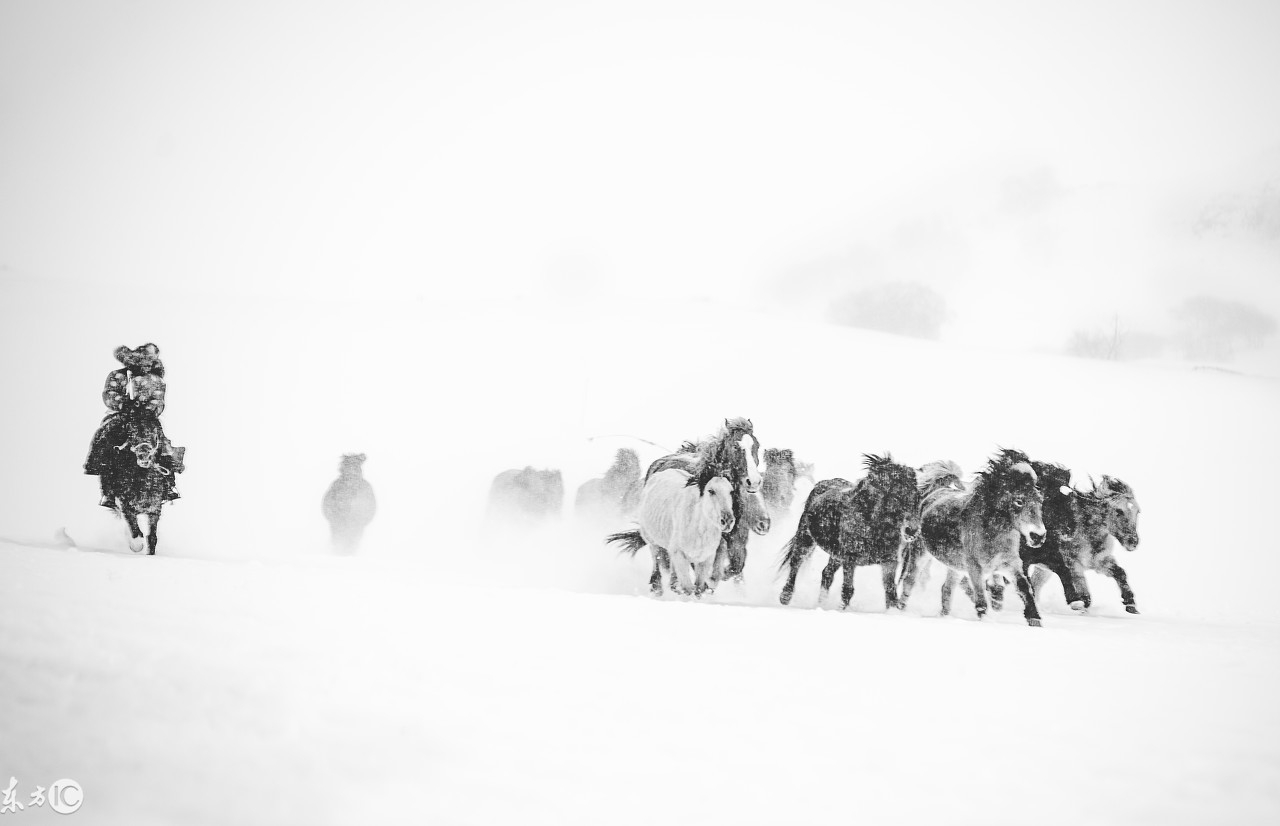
point(453, 673)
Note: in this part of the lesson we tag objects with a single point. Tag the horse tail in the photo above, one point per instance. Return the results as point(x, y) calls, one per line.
point(796, 552)
point(631, 541)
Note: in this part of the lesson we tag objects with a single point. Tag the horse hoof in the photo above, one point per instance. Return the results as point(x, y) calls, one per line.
point(136, 545)
point(1078, 605)
point(1132, 609)
point(1034, 623)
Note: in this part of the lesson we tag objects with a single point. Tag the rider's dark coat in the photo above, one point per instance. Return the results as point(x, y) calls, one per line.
point(139, 382)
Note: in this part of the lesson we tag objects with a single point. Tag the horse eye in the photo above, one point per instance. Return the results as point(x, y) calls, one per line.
point(1017, 501)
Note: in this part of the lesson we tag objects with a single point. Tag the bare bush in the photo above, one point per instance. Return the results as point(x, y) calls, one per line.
point(1211, 328)
point(903, 307)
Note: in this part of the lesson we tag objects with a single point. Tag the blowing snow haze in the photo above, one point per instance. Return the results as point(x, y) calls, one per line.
point(1014, 158)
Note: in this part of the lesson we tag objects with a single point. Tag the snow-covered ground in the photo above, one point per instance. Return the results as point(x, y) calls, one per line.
point(451, 673)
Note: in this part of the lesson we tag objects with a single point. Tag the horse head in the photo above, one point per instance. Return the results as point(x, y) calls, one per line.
point(1121, 510)
point(1015, 494)
point(351, 464)
point(716, 497)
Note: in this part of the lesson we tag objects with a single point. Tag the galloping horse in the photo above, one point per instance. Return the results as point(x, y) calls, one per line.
point(862, 524)
point(976, 533)
point(1110, 509)
point(138, 479)
point(736, 452)
point(683, 516)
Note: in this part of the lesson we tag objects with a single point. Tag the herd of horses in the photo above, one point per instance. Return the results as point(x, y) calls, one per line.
point(1018, 521)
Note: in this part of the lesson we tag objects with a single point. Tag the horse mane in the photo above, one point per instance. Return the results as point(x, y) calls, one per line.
point(1111, 486)
point(711, 450)
point(876, 464)
point(1049, 473)
point(997, 471)
point(938, 474)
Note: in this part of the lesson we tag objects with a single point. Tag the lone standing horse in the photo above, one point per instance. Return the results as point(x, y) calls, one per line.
point(857, 524)
point(736, 450)
point(682, 518)
point(349, 504)
point(976, 533)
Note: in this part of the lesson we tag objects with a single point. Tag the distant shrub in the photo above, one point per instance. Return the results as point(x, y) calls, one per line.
point(1114, 343)
point(1094, 344)
point(1210, 328)
point(902, 307)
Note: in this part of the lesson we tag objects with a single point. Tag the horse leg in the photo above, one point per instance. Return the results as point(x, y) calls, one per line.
point(153, 538)
point(913, 569)
point(1029, 610)
point(703, 583)
point(136, 540)
point(655, 580)
point(802, 547)
point(1113, 570)
point(997, 593)
point(682, 572)
point(889, 579)
point(948, 585)
point(979, 591)
point(1072, 579)
point(828, 576)
point(846, 587)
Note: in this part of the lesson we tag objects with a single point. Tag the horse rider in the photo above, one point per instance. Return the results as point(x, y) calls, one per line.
point(137, 385)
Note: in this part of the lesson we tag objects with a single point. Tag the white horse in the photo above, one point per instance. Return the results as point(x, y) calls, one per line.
point(684, 521)
point(682, 518)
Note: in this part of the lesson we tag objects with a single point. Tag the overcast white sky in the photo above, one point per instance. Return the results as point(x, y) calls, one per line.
point(501, 145)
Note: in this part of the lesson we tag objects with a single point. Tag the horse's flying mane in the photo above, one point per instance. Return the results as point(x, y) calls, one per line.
point(1004, 459)
point(1111, 486)
point(874, 463)
point(934, 474)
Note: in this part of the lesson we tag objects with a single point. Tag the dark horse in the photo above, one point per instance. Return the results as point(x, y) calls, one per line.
point(733, 453)
point(862, 524)
point(975, 533)
point(1109, 510)
point(138, 477)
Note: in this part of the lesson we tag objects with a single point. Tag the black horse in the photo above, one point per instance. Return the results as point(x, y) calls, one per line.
point(862, 524)
point(975, 533)
point(139, 476)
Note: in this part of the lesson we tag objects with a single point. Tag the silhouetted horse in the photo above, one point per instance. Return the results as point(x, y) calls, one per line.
point(616, 495)
point(527, 494)
point(976, 533)
point(349, 504)
point(684, 512)
point(138, 478)
point(781, 472)
point(736, 451)
point(1109, 509)
point(856, 524)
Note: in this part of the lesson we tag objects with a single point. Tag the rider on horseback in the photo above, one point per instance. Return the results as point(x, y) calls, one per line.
point(137, 386)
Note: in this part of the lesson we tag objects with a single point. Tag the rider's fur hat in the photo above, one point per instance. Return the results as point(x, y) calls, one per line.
point(144, 359)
